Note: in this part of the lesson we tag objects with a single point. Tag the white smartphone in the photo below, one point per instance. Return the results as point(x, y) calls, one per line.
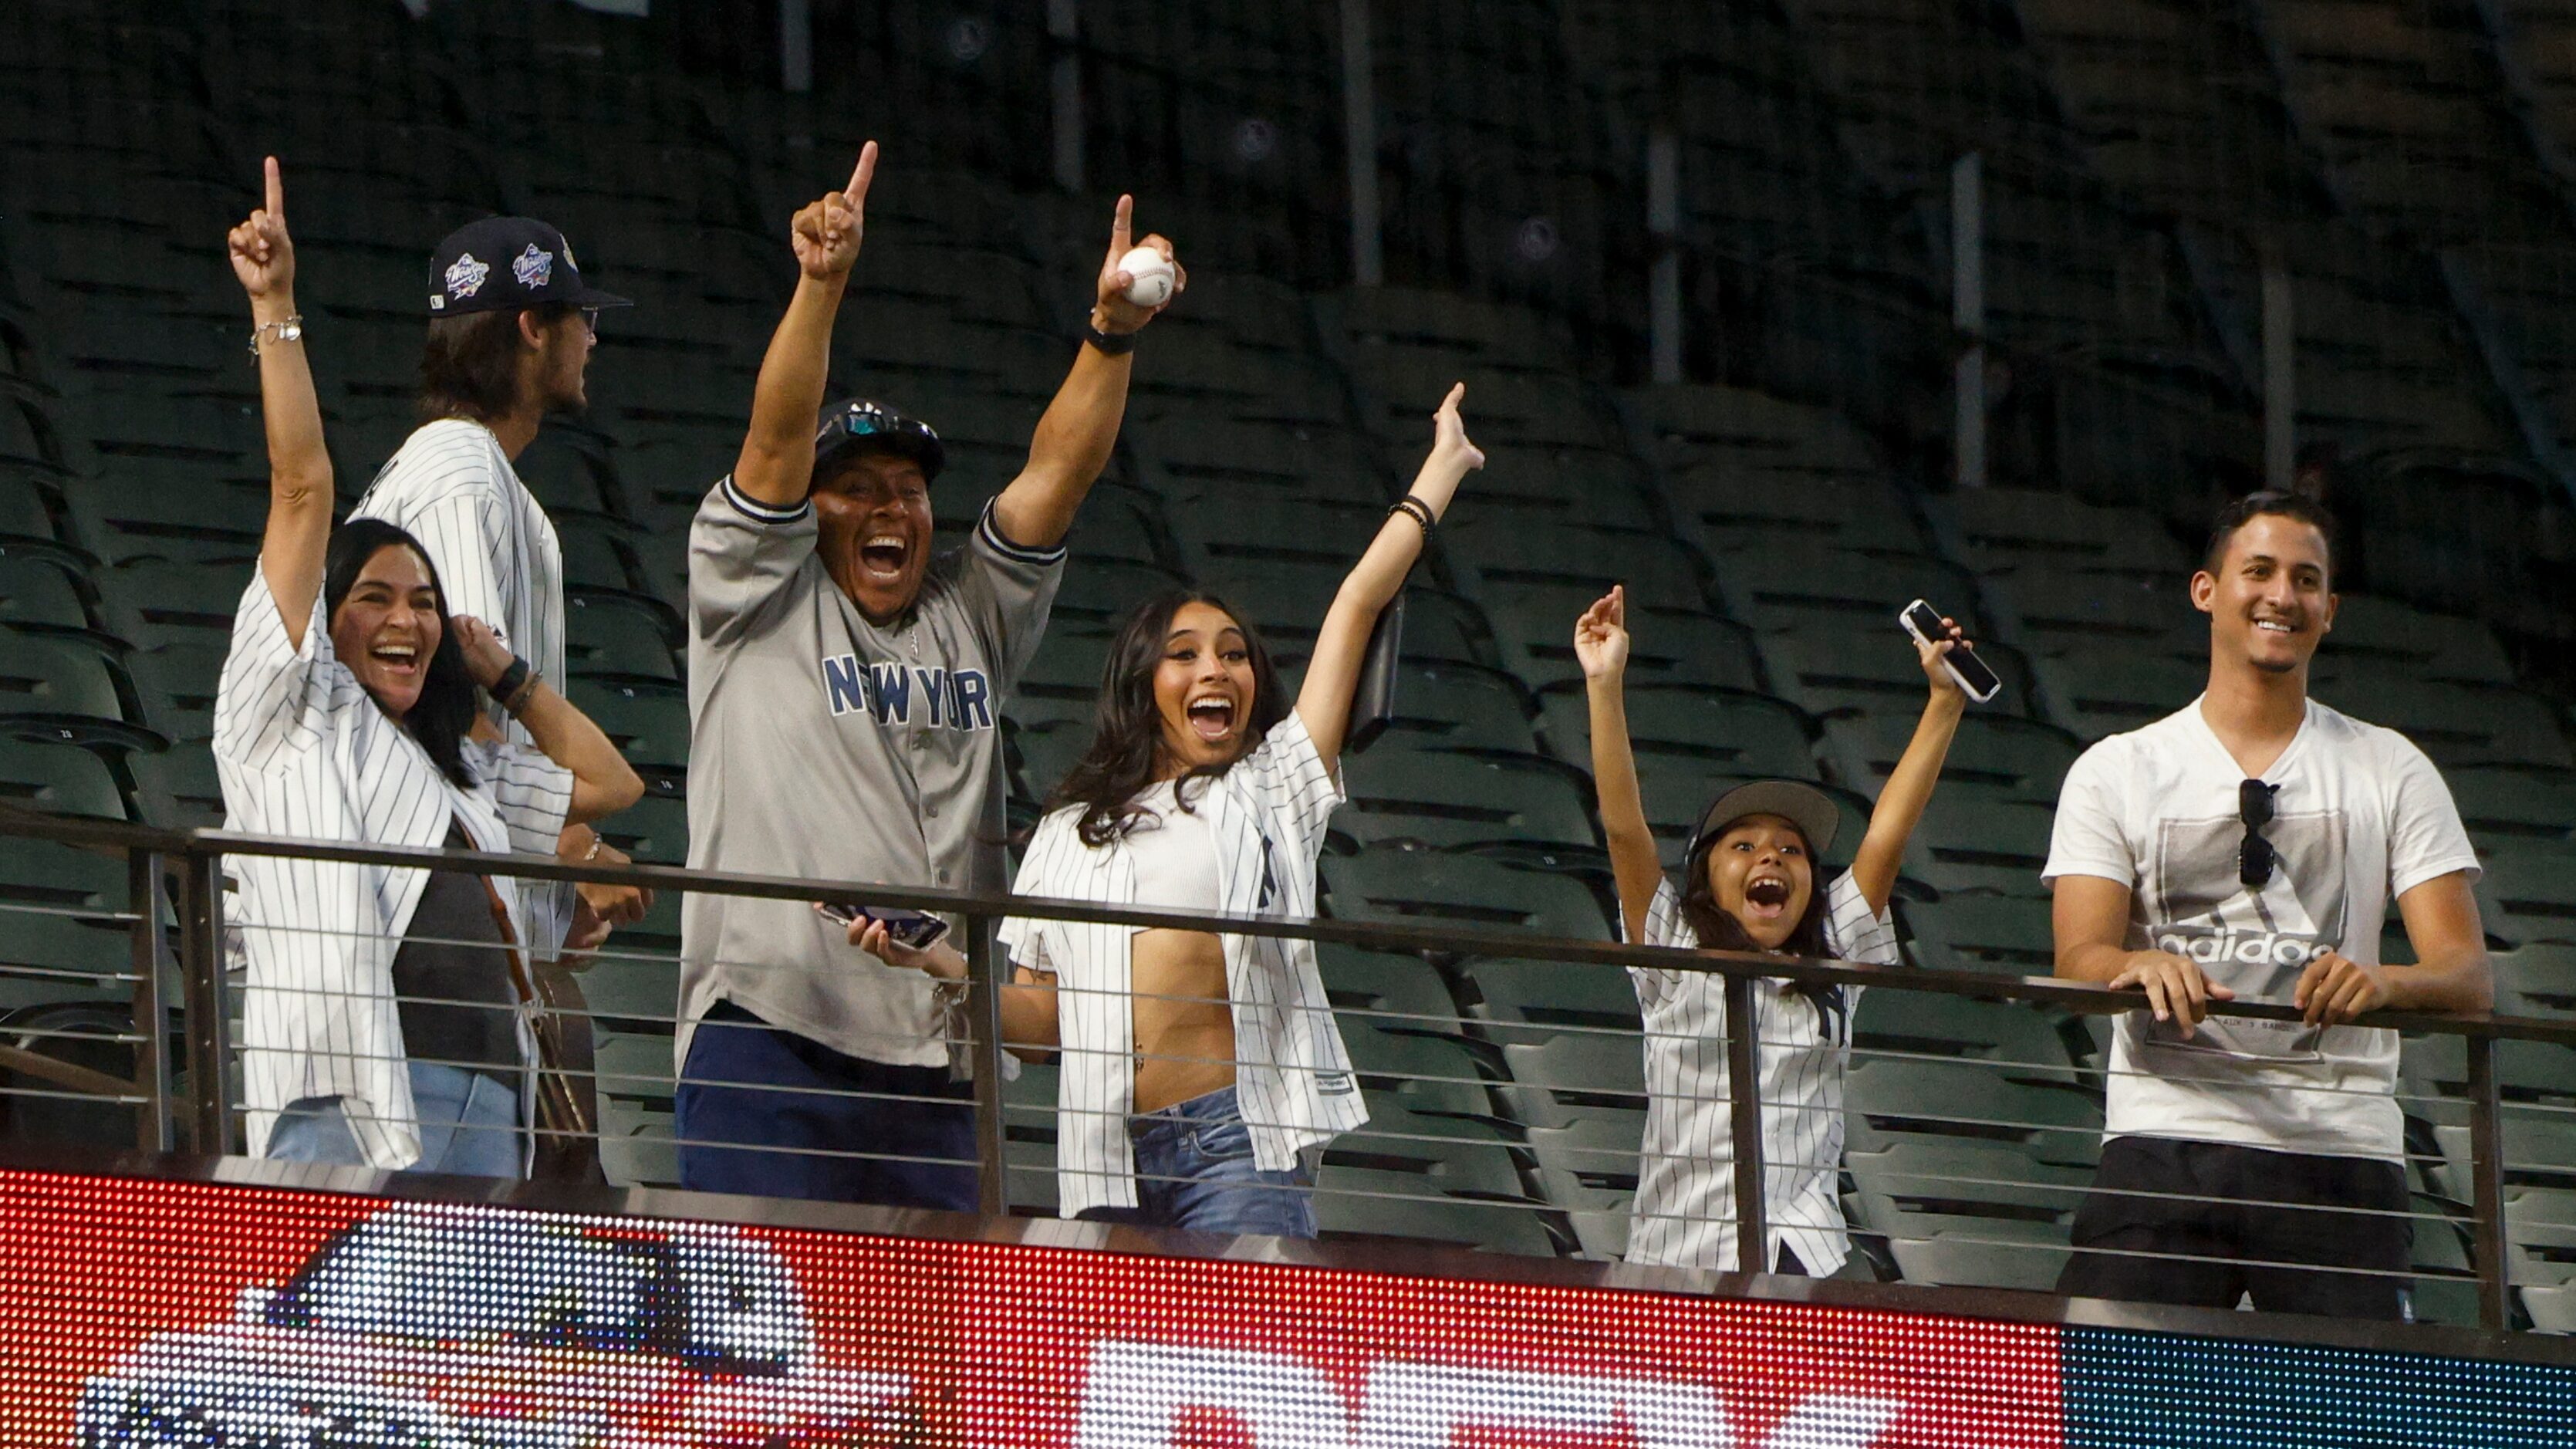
point(1973, 674)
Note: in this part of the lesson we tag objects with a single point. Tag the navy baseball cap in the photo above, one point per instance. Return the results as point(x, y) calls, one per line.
point(506, 262)
point(859, 425)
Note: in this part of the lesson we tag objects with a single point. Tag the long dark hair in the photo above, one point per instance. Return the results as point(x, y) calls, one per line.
point(1127, 728)
point(445, 710)
point(1719, 930)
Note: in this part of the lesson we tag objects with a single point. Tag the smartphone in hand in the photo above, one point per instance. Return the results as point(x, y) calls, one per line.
point(1973, 674)
point(915, 929)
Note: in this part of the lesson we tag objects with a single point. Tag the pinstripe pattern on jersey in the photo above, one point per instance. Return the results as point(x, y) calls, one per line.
point(1685, 1207)
point(1266, 817)
point(452, 487)
point(302, 750)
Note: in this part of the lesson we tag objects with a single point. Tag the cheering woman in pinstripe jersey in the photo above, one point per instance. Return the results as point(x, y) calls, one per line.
point(1199, 1071)
point(1750, 882)
point(345, 712)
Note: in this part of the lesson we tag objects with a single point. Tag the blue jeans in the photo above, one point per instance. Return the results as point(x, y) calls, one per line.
point(469, 1124)
point(812, 1123)
point(1194, 1170)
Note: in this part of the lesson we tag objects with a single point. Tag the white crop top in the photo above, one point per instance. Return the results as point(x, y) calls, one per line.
point(1175, 856)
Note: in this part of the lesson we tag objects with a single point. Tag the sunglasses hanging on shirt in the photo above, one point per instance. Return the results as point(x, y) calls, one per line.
point(2255, 856)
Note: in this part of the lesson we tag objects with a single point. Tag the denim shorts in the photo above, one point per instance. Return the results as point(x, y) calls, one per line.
point(469, 1124)
point(1195, 1170)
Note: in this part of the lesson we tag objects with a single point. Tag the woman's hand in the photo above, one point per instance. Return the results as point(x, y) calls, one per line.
point(1449, 433)
point(263, 257)
point(939, 960)
point(826, 234)
point(1601, 636)
point(486, 657)
point(1944, 688)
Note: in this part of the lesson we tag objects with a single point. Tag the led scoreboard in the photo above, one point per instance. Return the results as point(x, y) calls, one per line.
point(140, 1311)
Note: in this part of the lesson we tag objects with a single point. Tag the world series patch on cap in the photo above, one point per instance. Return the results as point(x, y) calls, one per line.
point(507, 262)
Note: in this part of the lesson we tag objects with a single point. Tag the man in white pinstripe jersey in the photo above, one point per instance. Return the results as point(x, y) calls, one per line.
point(512, 326)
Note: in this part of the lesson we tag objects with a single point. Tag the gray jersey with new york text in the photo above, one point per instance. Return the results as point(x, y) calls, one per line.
point(825, 746)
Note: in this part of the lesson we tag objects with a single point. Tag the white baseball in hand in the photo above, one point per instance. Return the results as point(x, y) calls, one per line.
point(1150, 277)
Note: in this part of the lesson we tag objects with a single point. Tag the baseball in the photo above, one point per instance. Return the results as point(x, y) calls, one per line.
point(1150, 277)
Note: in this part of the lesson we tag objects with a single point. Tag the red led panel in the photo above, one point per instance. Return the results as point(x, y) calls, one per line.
point(138, 1312)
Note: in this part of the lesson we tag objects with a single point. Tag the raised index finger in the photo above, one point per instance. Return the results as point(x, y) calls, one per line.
point(862, 174)
point(276, 191)
point(1118, 233)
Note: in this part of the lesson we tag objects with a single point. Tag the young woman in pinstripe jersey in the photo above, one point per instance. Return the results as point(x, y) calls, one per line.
point(1750, 882)
point(1198, 1071)
point(380, 1020)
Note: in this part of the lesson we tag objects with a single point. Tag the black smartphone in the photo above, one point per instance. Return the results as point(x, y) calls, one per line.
point(1973, 674)
point(915, 929)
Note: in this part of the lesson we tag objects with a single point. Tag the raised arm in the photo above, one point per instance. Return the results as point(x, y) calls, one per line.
point(299, 467)
point(1601, 647)
point(1324, 703)
point(777, 462)
point(602, 782)
point(1909, 788)
point(1080, 427)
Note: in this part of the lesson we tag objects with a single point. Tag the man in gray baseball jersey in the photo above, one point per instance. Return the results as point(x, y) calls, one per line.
point(845, 685)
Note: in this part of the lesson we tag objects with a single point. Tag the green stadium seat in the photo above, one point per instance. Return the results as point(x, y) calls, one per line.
point(1993, 756)
point(162, 512)
point(1198, 454)
point(1562, 1078)
point(61, 779)
point(1391, 992)
point(1589, 1169)
point(25, 512)
point(1519, 1002)
point(2456, 724)
point(1434, 1075)
point(1892, 1099)
point(1443, 799)
point(1967, 1214)
point(1829, 669)
point(2531, 895)
point(637, 1145)
point(1505, 555)
point(1739, 508)
point(1443, 704)
point(1029, 1138)
point(2097, 694)
point(653, 830)
point(2015, 1037)
point(1970, 844)
point(2431, 646)
point(62, 687)
point(613, 636)
point(42, 590)
point(2067, 610)
point(177, 679)
point(2536, 980)
point(165, 602)
point(648, 720)
point(2004, 935)
point(1533, 624)
point(179, 787)
point(1722, 731)
point(599, 552)
point(1098, 594)
point(2003, 530)
point(1687, 425)
point(2507, 806)
point(1811, 585)
point(1427, 888)
point(1437, 1178)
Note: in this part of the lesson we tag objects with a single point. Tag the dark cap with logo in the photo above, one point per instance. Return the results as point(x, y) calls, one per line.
point(859, 425)
point(502, 263)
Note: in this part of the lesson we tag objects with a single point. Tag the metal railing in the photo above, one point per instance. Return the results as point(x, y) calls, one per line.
point(2016, 1141)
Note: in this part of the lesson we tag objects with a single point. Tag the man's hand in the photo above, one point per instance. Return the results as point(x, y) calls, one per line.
point(939, 961)
point(826, 234)
point(2177, 990)
point(263, 257)
point(2335, 989)
point(1601, 636)
point(1112, 313)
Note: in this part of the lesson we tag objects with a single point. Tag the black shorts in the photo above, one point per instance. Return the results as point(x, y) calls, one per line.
point(2203, 1223)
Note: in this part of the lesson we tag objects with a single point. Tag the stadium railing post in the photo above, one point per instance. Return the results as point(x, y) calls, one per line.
point(201, 966)
point(1968, 315)
point(2486, 1174)
point(985, 996)
point(1359, 143)
point(1744, 1121)
point(151, 1021)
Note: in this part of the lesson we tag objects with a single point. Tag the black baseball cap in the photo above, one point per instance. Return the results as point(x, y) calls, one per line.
point(506, 262)
point(858, 425)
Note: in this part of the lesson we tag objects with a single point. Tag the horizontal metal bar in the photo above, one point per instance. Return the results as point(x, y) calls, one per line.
point(63, 1073)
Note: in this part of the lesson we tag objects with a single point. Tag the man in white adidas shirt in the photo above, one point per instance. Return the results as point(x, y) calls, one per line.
point(2245, 848)
point(511, 329)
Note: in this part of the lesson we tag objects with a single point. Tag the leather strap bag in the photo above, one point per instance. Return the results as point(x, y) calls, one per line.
point(567, 1078)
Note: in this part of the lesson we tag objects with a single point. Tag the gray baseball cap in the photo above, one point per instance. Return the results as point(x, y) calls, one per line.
point(1810, 809)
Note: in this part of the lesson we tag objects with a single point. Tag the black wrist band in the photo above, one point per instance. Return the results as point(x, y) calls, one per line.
point(1417, 510)
point(512, 680)
point(1109, 344)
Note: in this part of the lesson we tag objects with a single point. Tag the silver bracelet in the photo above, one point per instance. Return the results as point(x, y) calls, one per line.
point(290, 330)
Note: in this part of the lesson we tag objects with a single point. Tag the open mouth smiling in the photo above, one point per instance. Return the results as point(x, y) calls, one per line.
point(401, 660)
point(1211, 716)
point(882, 555)
point(1766, 896)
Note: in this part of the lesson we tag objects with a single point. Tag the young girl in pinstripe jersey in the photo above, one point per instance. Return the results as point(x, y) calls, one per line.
point(1749, 883)
point(1199, 1070)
